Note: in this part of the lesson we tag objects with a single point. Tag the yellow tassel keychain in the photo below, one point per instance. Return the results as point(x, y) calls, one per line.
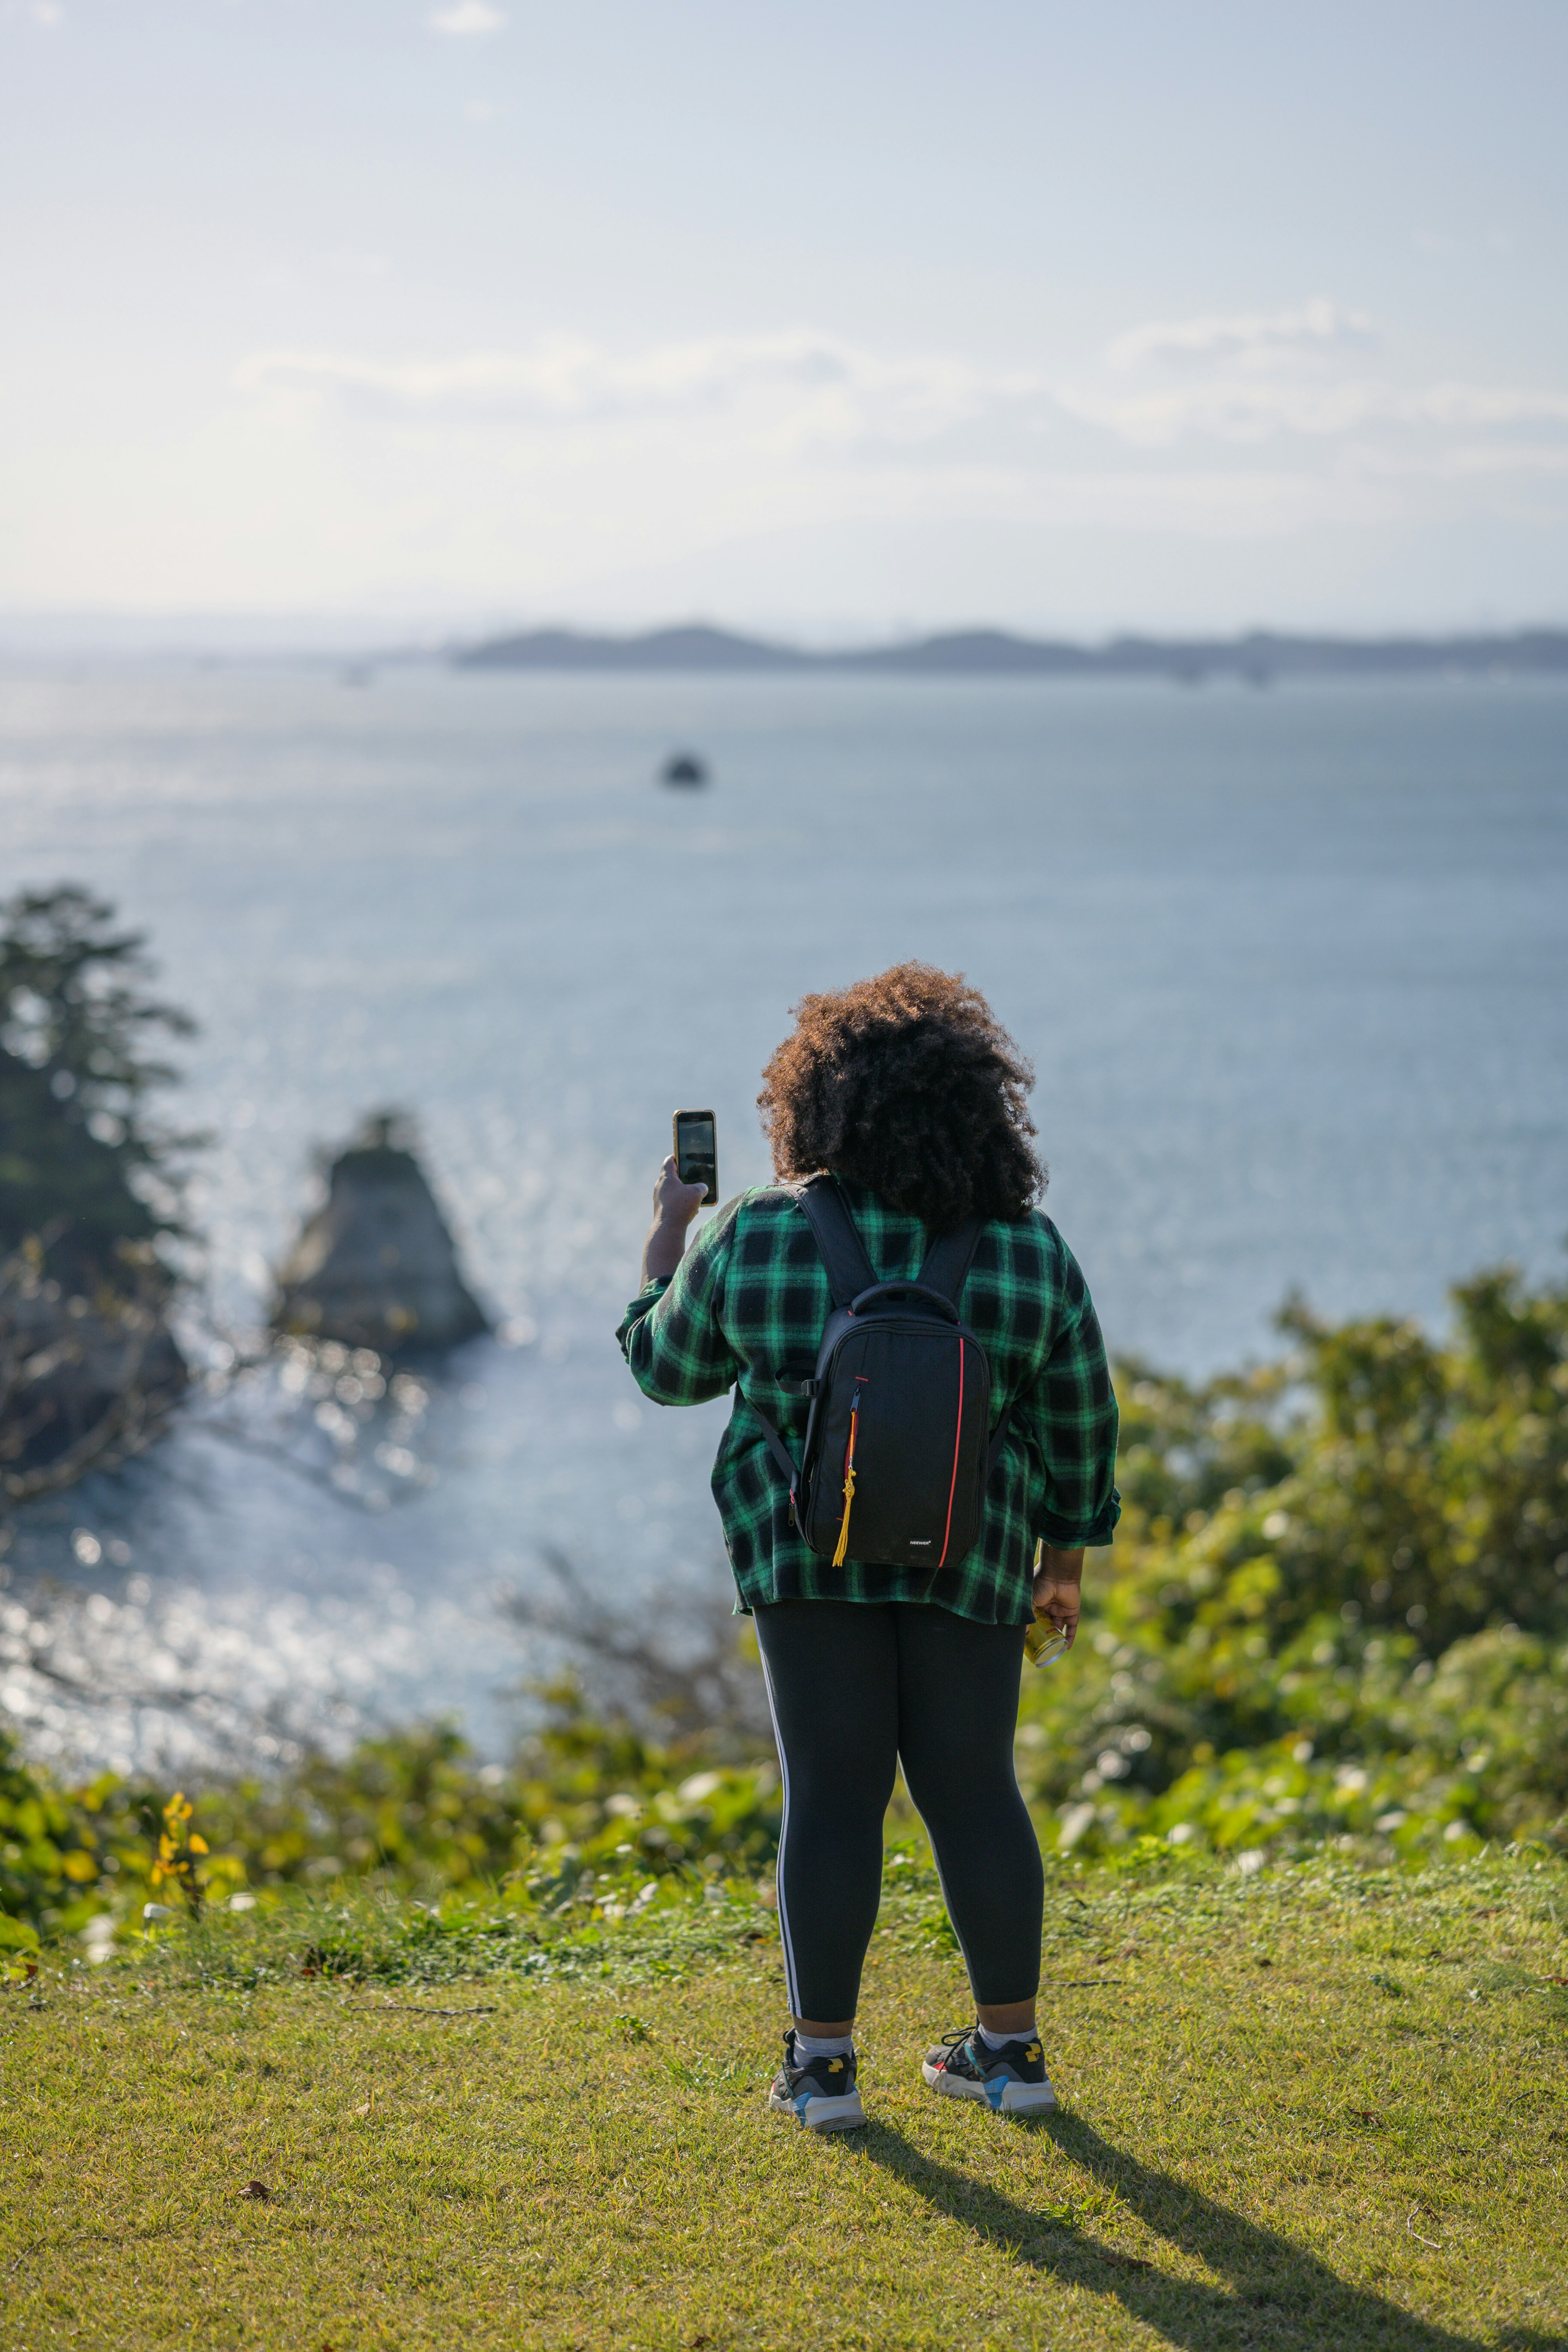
point(839, 1555)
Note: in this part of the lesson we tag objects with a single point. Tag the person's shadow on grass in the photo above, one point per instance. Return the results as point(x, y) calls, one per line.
point(1279, 2294)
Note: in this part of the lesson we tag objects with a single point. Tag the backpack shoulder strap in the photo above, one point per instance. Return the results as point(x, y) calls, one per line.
point(849, 1270)
point(781, 1452)
point(948, 1260)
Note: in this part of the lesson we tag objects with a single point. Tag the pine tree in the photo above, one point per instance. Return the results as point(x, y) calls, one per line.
point(84, 1169)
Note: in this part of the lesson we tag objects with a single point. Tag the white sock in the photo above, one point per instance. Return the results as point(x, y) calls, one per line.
point(1000, 2041)
point(831, 2045)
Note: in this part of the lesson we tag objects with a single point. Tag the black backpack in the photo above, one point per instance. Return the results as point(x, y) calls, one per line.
point(899, 1447)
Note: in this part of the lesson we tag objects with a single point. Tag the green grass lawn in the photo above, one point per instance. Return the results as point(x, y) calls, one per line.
point(1316, 2107)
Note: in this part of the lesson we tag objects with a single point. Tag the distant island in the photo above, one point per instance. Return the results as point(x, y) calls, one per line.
point(1255, 659)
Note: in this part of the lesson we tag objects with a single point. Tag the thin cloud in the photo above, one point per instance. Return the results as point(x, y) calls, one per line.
point(1255, 375)
point(795, 397)
point(787, 388)
point(467, 19)
point(1246, 338)
point(1243, 409)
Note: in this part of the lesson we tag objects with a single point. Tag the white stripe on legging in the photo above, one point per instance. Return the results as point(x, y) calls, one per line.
point(791, 1984)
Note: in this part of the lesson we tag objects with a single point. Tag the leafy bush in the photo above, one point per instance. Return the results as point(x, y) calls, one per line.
point(412, 1812)
point(415, 1810)
point(1338, 1603)
point(61, 1852)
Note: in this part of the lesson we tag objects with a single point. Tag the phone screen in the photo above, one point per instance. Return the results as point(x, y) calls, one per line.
point(697, 1151)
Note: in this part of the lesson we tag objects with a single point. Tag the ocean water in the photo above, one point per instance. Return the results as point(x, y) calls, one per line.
point(1292, 968)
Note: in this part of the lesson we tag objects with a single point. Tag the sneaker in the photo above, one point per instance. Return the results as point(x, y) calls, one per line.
point(1012, 2081)
point(819, 2093)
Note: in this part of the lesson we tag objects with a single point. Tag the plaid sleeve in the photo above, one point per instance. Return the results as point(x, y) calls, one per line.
point(671, 1335)
point(1068, 1415)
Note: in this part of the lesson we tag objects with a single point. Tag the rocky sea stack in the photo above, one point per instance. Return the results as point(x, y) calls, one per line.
point(375, 1266)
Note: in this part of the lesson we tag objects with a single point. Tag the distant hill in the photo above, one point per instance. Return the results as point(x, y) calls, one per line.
point(1255, 659)
point(686, 649)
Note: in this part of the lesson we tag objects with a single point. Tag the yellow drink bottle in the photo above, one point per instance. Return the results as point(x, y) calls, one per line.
point(1043, 1643)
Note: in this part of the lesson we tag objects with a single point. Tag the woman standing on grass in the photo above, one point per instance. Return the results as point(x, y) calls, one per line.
point(906, 1090)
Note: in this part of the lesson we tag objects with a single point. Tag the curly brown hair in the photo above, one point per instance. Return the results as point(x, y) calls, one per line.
point(909, 1084)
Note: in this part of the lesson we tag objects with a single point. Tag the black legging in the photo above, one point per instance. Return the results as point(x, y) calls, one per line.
point(856, 1688)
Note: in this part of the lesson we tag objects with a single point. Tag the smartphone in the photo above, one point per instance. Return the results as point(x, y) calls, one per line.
point(697, 1151)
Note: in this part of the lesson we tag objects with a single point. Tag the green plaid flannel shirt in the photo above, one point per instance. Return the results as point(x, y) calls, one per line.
point(749, 1303)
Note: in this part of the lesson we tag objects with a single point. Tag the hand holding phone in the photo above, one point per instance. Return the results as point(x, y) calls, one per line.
point(697, 1152)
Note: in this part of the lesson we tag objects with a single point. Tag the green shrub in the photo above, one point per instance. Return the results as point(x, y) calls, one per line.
point(412, 1811)
point(1365, 1630)
point(61, 1851)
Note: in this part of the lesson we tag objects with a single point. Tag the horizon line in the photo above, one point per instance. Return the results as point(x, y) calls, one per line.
point(698, 643)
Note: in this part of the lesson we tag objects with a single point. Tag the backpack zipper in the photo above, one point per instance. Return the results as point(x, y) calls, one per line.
point(839, 1555)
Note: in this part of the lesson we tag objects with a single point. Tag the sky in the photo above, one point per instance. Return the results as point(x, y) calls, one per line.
point(839, 319)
